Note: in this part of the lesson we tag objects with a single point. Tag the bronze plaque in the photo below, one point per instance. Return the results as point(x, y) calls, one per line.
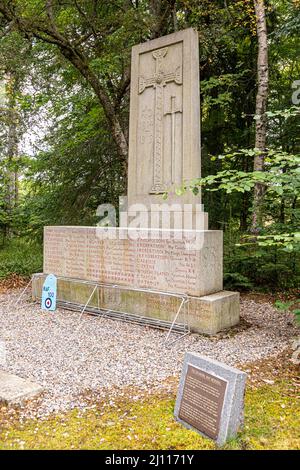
point(202, 401)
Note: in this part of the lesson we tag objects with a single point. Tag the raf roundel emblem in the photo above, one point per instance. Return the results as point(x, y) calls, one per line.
point(48, 303)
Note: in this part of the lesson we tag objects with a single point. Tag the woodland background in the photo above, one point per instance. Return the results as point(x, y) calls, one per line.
point(64, 109)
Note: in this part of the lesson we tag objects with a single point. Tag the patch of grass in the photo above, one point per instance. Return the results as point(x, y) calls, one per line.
point(271, 422)
point(20, 256)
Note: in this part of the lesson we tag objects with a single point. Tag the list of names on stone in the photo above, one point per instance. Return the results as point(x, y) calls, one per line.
point(145, 263)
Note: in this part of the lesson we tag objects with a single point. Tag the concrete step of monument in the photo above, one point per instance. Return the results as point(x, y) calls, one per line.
point(14, 389)
point(208, 314)
point(123, 316)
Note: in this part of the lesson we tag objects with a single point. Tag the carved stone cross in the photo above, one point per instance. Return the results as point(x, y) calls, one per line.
point(159, 81)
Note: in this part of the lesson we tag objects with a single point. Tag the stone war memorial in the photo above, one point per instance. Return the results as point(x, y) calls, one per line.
point(163, 267)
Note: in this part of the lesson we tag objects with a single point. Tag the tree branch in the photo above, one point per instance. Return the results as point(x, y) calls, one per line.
point(71, 52)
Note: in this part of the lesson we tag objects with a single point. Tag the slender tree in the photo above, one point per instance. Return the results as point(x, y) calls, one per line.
point(12, 139)
point(261, 108)
point(9, 151)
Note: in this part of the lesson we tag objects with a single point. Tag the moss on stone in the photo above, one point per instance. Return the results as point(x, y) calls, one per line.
point(271, 422)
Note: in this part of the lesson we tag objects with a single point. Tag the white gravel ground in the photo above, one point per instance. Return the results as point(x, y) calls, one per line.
point(68, 357)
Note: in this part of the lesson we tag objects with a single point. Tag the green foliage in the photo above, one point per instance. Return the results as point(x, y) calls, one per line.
point(284, 306)
point(80, 170)
point(236, 281)
point(280, 177)
point(266, 268)
point(261, 258)
point(20, 256)
point(288, 242)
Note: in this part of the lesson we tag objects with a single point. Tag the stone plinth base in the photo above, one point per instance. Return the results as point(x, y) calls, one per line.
point(208, 314)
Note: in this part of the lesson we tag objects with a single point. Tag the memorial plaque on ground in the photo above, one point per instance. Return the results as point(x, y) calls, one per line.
point(210, 398)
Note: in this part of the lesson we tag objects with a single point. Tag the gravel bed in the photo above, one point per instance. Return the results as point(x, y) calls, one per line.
point(68, 357)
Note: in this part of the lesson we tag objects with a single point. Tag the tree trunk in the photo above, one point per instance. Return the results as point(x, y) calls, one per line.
point(261, 107)
point(11, 177)
point(112, 116)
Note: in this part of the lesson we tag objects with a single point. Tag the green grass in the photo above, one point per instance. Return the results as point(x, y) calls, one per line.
point(271, 422)
point(22, 257)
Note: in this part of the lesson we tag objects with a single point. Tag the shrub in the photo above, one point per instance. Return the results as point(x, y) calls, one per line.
point(20, 256)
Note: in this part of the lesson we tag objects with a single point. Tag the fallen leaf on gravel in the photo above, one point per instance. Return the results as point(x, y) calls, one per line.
point(270, 382)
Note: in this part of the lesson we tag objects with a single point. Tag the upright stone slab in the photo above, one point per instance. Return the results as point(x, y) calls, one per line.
point(210, 398)
point(164, 144)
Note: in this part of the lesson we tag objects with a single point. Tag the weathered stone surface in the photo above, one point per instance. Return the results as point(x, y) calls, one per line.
point(217, 311)
point(164, 142)
point(207, 315)
point(14, 389)
point(164, 151)
point(228, 423)
point(161, 264)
